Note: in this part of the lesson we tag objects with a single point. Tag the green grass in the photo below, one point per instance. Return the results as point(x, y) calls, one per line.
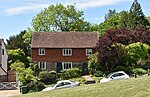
point(133, 87)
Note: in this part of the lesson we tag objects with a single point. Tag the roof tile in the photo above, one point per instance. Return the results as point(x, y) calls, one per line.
point(64, 39)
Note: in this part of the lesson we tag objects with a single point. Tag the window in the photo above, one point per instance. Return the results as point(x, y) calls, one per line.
point(41, 51)
point(67, 52)
point(42, 65)
point(121, 74)
point(2, 51)
point(89, 52)
point(66, 65)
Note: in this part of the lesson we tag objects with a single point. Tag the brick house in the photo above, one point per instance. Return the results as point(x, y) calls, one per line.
point(3, 61)
point(63, 50)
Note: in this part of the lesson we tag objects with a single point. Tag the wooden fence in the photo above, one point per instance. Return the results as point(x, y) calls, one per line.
point(8, 85)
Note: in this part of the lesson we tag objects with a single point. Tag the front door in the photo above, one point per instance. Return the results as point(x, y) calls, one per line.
point(59, 67)
point(85, 70)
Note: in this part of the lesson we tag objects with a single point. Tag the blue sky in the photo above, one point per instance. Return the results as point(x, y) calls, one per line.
point(16, 15)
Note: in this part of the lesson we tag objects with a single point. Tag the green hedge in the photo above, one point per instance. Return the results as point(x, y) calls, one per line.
point(70, 73)
point(48, 77)
point(139, 71)
point(35, 86)
point(98, 73)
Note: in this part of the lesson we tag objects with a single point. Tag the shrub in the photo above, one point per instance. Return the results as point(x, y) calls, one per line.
point(35, 86)
point(98, 73)
point(47, 77)
point(82, 80)
point(70, 73)
point(126, 69)
point(139, 71)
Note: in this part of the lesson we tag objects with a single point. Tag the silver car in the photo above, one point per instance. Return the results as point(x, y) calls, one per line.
point(62, 84)
point(115, 76)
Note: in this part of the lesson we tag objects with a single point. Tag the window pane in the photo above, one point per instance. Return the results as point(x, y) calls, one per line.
point(67, 52)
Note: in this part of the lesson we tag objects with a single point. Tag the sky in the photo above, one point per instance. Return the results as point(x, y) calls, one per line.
point(17, 15)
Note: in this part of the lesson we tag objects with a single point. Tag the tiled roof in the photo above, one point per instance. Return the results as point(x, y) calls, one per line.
point(64, 39)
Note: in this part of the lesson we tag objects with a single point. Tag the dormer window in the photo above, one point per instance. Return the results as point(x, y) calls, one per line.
point(89, 52)
point(41, 51)
point(67, 52)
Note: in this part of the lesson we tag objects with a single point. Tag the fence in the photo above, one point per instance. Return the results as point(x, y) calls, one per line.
point(8, 85)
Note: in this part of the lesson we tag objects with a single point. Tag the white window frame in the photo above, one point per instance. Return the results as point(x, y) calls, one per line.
point(66, 63)
point(41, 51)
point(42, 63)
point(89, 52)
point(67, 52)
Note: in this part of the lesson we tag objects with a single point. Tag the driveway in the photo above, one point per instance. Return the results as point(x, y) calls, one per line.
point(6, 93)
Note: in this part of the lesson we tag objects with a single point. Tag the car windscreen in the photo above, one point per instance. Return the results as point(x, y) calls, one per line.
point(109, 75)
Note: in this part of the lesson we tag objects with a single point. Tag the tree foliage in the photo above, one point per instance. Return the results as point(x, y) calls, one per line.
point(17, 55)
point(24, 75)
point(136, 16)
point(17, 41)
point(111, 54)
point(60, 18)
point(110, 13)
point(93, 63)
point(137, 52)
point(125, 19)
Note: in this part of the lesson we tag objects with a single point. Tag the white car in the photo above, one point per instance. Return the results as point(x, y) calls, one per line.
point(115, 76)
point(62, 84)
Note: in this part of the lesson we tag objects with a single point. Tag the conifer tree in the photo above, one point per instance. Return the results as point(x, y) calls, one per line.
point(136, 16)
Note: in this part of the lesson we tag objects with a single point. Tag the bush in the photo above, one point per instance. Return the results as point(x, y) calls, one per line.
point(35, 86)
point(139, 71)
point(98, 73)
point(47, 77)
point(126, 69)
point(70, 73)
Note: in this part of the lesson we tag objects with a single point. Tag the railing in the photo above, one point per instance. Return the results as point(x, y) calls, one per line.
point(8, 85)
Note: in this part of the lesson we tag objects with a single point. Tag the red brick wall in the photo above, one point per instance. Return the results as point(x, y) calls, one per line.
point(55, 55)
point(11, 76)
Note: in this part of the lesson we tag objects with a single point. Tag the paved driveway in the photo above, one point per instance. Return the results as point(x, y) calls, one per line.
point(6, 93)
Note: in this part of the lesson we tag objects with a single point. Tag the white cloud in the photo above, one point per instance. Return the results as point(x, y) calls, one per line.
point(25, 9)
point(83, 4)
point(80, 4)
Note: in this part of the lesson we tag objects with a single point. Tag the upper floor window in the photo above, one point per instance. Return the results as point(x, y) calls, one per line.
point(42, 65)
point(66, 65)
point(41, 51)
point(67, 52)
point(89, 52)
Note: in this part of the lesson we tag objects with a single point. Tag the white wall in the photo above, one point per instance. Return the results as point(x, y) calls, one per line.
point(4, 59)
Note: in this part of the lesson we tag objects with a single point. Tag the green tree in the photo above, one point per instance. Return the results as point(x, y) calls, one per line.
point(60, 18)
point(24, 75)
point(123, 19)
point(110, 13)
point(93, 63)
point(17, 54)
point(137, 54)
point(136, 16)
point(17, 41)
point(110, 23)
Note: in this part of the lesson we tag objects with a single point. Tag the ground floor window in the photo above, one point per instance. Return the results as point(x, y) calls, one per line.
point(42, 65)
point(3, 77)
point(66, 65)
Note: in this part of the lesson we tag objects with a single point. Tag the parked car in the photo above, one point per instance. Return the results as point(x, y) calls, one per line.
point(115, 76)
point(62, 84)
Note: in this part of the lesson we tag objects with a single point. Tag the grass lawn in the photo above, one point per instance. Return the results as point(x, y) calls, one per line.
point(133, 87)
